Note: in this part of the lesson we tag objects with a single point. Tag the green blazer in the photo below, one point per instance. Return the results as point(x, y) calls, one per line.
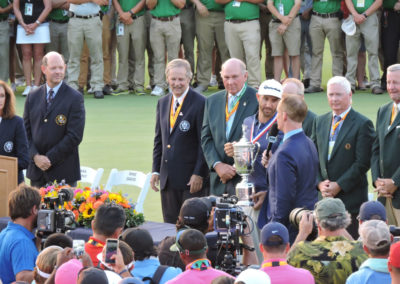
point(308, 123)
point(385, 161)
point(350, 157)
point(213, 137)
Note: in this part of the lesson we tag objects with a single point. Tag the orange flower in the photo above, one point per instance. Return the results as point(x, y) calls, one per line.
point(68, 205)
point(97, 204)
point(91, 199)
point(82, 207)
point(76, 213)
point(125, 205)
point(103, 197)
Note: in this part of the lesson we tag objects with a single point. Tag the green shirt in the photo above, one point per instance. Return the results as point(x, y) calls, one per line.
point(127, 5)
point(246, 11)
point(363, 5)
point(389, 4)
point(4, 4)
point(326, 7)
point(287, 6)
point(165, 8)
point(58, 15)
point(329, 259)
point(212, 6)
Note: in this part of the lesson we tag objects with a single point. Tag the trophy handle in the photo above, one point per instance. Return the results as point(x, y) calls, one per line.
point(257, 145)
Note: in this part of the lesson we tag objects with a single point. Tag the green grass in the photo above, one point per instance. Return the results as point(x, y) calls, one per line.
point(119, 131)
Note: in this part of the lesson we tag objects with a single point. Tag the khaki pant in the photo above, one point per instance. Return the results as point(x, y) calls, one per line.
point(84, 67)
point(243, 41)
point(4, 50)
point(321, 28)
point(289, 40)
point(370, 32)
point(209, 29)
point(393, 214)
point(150, 57)
point(58, 39)
point(134, 37)
point(265, 18)
point(188, 28)
point(90, 30)
point(106, 46)
point(164, 36)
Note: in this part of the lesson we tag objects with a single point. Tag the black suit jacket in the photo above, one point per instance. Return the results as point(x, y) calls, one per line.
point(55, 133)
point(177, 155)
point(13, 142)
point(350, 157)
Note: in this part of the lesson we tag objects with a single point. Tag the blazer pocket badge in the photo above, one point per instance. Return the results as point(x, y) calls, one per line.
point(347, 146)
point(184, 126)
point(61, 119)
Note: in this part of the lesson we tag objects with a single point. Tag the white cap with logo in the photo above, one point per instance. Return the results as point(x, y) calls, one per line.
point(270, 88)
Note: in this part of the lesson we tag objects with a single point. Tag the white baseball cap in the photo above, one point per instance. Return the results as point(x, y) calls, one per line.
point(270, 88)
point(349, 26)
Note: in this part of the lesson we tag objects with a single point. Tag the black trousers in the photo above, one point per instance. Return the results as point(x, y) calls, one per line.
point(42, 182)
point(390, 23)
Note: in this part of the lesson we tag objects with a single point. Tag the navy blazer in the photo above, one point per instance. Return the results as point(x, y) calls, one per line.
point(177, 154)
point(292, 175)
point(13, 142)
point(55, 133)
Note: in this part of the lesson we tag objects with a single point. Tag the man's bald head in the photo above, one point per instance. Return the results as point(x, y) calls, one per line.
point(234, 63)
point(51, 56)
point(293, 86)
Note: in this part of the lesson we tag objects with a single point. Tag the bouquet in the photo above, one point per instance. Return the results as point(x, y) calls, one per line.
point(86, 201)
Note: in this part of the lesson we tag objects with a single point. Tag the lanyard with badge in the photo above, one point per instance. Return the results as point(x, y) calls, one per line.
point(263, 130)
point(234, 104)
point(332, 137)
point(28, 9)
point(173, 116)
point(274, 264)
point(281, 8)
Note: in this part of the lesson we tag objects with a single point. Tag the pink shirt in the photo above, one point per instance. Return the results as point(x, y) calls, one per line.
point(283, 274)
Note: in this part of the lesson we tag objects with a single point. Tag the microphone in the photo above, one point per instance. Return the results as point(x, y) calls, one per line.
point(273, 132)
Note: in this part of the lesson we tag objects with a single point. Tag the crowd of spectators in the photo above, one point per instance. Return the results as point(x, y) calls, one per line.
point(90, 34)
point(330, 257)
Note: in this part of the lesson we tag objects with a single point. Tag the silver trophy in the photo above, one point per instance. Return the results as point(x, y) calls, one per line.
point(245, 156)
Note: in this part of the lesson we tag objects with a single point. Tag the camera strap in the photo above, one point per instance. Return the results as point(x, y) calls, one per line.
point(200, 264)
point(274, 264)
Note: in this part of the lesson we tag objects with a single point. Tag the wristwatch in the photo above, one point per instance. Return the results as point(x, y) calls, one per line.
point(365, 15)
point(38, 22)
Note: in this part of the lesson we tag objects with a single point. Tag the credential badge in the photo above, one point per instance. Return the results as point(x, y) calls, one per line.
point(184, 125)
point(8, 146)
point(61, 119)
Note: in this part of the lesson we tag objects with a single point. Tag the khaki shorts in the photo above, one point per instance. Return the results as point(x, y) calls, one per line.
point(290, 39)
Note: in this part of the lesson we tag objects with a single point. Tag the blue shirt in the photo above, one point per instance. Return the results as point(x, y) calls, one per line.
point(291, 133)
point(147, 268)
point(17, 252)
point(55, 90)
point(373, 271)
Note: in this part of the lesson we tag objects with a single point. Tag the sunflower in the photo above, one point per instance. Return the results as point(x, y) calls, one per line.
point(88, 212)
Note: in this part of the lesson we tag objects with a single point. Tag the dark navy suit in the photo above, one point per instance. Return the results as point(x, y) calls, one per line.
point(292, 175)
point(177, 154)
point(13, 142)
point(55, 133)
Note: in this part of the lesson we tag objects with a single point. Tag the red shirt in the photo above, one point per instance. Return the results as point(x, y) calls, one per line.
point(93, 247)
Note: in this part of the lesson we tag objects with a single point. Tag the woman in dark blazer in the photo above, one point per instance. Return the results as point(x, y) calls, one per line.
point(13, 141)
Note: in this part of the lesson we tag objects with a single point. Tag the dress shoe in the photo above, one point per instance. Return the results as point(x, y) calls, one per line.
point(98, 95)
point(377, 90)
point(313, 89)
point(306, 83)
point(107, 90)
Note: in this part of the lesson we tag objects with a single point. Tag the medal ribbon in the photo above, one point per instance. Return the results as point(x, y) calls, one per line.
point(173, 116)
point(200, 264)
point(274, 264)
point(335, 126)
point(264, 130)
point(394, 114)
point(235, 104)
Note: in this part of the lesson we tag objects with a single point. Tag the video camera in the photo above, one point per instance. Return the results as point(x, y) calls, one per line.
point(53, 217)
point(230, 221)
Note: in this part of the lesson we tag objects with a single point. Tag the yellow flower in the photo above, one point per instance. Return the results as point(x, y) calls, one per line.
point(88, 212)
point(341, 247)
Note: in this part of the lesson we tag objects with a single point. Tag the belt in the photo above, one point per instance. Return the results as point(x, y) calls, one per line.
point(134, 17)
point(279, 21)
point(59, 21)
point(327, 15)
point(73, 15)
point(391, 10)
point(239, 21)
point(165, 19)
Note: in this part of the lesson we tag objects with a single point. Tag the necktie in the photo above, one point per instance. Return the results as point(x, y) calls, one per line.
point(335, 127)
point(50, 98)
point(176, 106)
point(395, 110)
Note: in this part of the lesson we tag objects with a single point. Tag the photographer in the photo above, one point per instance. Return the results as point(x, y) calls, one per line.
point(18, 251)
point(333, 255)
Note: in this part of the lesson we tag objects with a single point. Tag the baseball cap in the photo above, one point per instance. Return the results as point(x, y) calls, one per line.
point(190, 242)
point(93, 275)
point(68, 272)
point(253, 276)
point(274, 229)
point(394, 256)
point(349, 26)
point(131, 280)
point(195, 211)
point(329, 208)
point(372, 210)
point(270, 88)
point(138, 239)
point(375, 234)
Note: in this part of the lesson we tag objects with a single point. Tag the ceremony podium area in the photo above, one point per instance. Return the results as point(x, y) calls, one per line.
point(157, 230)
point(8, 181)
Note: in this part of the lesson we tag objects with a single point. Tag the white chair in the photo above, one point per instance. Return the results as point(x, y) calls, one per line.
point(91, 176)
point(134, 178)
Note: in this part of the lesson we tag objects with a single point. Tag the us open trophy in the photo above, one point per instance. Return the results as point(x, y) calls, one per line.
point(245, 156)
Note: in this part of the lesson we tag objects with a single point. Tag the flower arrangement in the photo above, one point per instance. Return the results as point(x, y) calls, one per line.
point(86, 201)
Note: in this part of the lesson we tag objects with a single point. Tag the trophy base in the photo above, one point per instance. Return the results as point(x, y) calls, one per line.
point(244, 191)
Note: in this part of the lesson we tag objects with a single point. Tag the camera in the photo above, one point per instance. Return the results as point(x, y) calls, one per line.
point(53, 217)
point(295, 217)
point(228, 215)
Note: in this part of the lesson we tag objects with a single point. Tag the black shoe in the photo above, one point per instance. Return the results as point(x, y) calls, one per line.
point(306, 83)
point(377, 90)
point(98, 95)
point(313, 89)
point(107, 90)
point(221, 86)
point(114, 85)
